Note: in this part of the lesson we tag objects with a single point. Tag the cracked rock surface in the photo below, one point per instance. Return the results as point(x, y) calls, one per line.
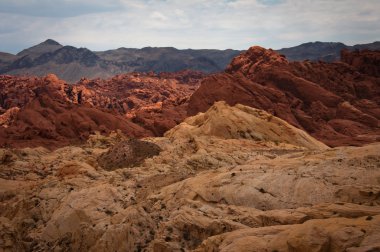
point(204, 191)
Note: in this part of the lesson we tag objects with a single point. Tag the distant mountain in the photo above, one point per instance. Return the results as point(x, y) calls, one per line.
point(169, 59)
point(324, 51)
point(37, 50)
point(6, 59)
point(71, 63)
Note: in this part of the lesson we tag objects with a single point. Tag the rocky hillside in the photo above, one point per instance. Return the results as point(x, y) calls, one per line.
point(49, 112)
point(71, 64)
point(337, 103)
point(207, 188)
point(245, 122)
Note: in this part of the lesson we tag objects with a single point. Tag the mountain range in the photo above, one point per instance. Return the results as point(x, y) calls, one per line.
point(71, 64)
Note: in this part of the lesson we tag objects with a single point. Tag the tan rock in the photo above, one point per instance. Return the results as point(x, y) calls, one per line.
point(241, 121)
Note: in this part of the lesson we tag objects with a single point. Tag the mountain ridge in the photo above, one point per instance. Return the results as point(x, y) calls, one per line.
point(323, 51)
point(41, 59)
point(71, 63)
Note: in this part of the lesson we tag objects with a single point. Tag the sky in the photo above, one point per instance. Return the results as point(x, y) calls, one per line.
point(219, 24)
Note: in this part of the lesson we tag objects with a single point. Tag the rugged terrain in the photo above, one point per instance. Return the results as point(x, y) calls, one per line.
point(252, 169)
point(231, 179)
point(157, 102)
point(49, 112)
point(337, 103)
point(71, 64)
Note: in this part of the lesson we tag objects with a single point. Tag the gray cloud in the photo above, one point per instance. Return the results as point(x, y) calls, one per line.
point(57, 8)
point(190, 24)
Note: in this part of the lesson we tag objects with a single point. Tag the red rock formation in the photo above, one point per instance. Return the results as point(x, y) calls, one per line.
point(157, 102)
point(334, 102)
point(366, 61)
point(49, 112)
point(48, 118)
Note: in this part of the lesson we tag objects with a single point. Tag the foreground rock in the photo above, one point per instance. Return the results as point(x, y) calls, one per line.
point(335, 234)
point(337, 103)
point(204, 192)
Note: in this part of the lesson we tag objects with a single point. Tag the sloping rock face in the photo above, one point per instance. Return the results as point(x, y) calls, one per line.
point(336, 234)
point(333, 102)
point(49, 112)
point(204, 192)
point(241, 121)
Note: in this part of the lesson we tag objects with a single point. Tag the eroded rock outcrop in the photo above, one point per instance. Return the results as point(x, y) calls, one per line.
point(334, 102)
point(201, 192)
point(366, 61)
point(157, 102)
point(244, 122)
point(49, 112)
point(47, 117)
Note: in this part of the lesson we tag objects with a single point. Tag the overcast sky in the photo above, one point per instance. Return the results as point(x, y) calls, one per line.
point(220, 24)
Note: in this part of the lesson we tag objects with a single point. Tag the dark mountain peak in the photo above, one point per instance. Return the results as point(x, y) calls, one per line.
point(48, 45)
point(50, 42)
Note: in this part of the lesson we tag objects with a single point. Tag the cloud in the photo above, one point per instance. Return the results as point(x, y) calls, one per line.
point(237, 24)
point(57, 8)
